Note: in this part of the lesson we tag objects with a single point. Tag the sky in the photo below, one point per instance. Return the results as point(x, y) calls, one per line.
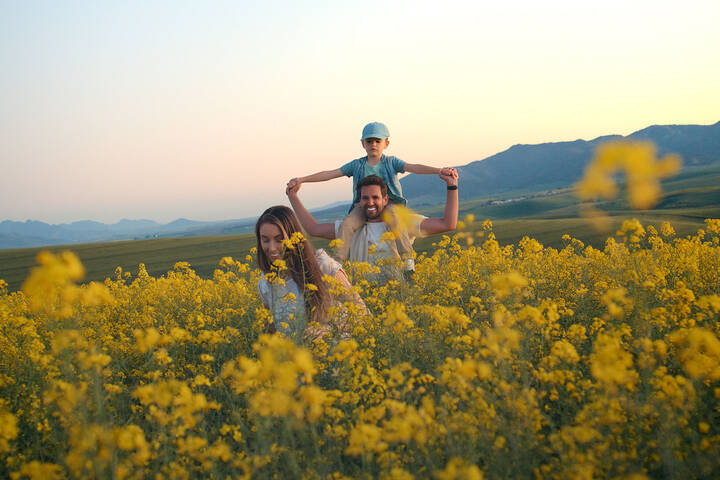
point(204, 110)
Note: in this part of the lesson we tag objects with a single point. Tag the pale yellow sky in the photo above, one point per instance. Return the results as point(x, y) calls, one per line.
point(205, 110)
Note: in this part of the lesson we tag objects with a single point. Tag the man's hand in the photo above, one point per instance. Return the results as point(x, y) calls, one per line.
point(294, 182)
point(446, 171)
point(448, 221)
point(450, 178)
point(292, 188)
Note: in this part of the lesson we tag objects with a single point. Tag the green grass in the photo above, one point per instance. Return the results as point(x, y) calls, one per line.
point(204, 253)
point(690, 198)
point(158, 255)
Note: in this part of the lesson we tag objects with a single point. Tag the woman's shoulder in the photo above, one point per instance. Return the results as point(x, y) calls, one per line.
point(263, 285)
point(328, 265)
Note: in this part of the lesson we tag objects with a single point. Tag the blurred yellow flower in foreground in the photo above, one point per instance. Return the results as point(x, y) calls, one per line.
point(400, 219)
point(642, 169)
point(8, 430)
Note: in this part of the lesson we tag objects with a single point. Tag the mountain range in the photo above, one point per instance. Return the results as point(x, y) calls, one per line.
point(532, 168)
point(519, 169)
point(32, 233)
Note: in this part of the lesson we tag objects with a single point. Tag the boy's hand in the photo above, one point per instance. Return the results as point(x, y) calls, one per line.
point(294, 182)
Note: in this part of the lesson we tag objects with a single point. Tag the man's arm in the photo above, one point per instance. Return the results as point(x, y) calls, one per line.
point(311, 226)
point(448, 221)
point(316, 177)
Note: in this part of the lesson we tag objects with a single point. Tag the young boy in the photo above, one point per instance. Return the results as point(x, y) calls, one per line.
point(374, 140)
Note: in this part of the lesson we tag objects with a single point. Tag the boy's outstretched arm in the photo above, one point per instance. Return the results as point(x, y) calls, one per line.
point(448, 221)
point(316, 177)
point(421, 169)
point(425, 170)
point(311, 226)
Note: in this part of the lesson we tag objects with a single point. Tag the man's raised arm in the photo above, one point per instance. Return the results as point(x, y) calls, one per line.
point(311, 226)
point(448, 221)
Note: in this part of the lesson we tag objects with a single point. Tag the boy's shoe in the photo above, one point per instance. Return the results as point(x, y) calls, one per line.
point(409, 275)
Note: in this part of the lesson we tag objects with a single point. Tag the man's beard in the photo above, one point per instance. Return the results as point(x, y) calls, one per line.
point(377, 212)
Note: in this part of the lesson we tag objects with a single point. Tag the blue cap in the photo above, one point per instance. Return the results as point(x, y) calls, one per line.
point(375, 130)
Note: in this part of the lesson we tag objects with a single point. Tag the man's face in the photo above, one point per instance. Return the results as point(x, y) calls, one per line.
point(372, 202)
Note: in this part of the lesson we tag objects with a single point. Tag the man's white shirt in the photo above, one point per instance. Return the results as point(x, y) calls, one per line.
point(374, 232)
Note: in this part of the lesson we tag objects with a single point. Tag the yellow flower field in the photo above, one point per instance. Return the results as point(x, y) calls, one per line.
point(495, 362)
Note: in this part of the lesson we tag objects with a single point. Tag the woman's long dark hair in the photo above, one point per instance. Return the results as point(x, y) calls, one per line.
point(300, 261)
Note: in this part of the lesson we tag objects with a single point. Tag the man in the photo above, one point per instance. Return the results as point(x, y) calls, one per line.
point(373, 199)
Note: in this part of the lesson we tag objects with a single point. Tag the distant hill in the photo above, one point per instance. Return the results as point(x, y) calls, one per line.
point(526, 168)
point(32, 233)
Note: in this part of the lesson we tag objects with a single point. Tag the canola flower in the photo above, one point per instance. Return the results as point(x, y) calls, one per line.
point(643, 172)
point(497, 362)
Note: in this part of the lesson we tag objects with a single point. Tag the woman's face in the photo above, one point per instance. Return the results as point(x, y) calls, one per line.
point(271, 238)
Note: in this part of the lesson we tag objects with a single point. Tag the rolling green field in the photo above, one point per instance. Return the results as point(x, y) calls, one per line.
point(689, 199)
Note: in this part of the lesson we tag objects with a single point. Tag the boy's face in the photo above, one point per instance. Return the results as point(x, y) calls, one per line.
point(372, 202)
point(375, 146)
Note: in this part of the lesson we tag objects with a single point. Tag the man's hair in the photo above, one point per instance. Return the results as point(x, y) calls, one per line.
point(372, 180)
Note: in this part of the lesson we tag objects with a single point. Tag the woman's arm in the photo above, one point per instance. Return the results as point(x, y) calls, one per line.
point(341, 322)
point(350, 296)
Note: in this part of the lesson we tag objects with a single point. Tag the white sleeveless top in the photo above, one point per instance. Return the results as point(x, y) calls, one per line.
point(289, 313)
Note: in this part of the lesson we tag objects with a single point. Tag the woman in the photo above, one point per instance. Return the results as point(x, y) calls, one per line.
point(292, 287)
